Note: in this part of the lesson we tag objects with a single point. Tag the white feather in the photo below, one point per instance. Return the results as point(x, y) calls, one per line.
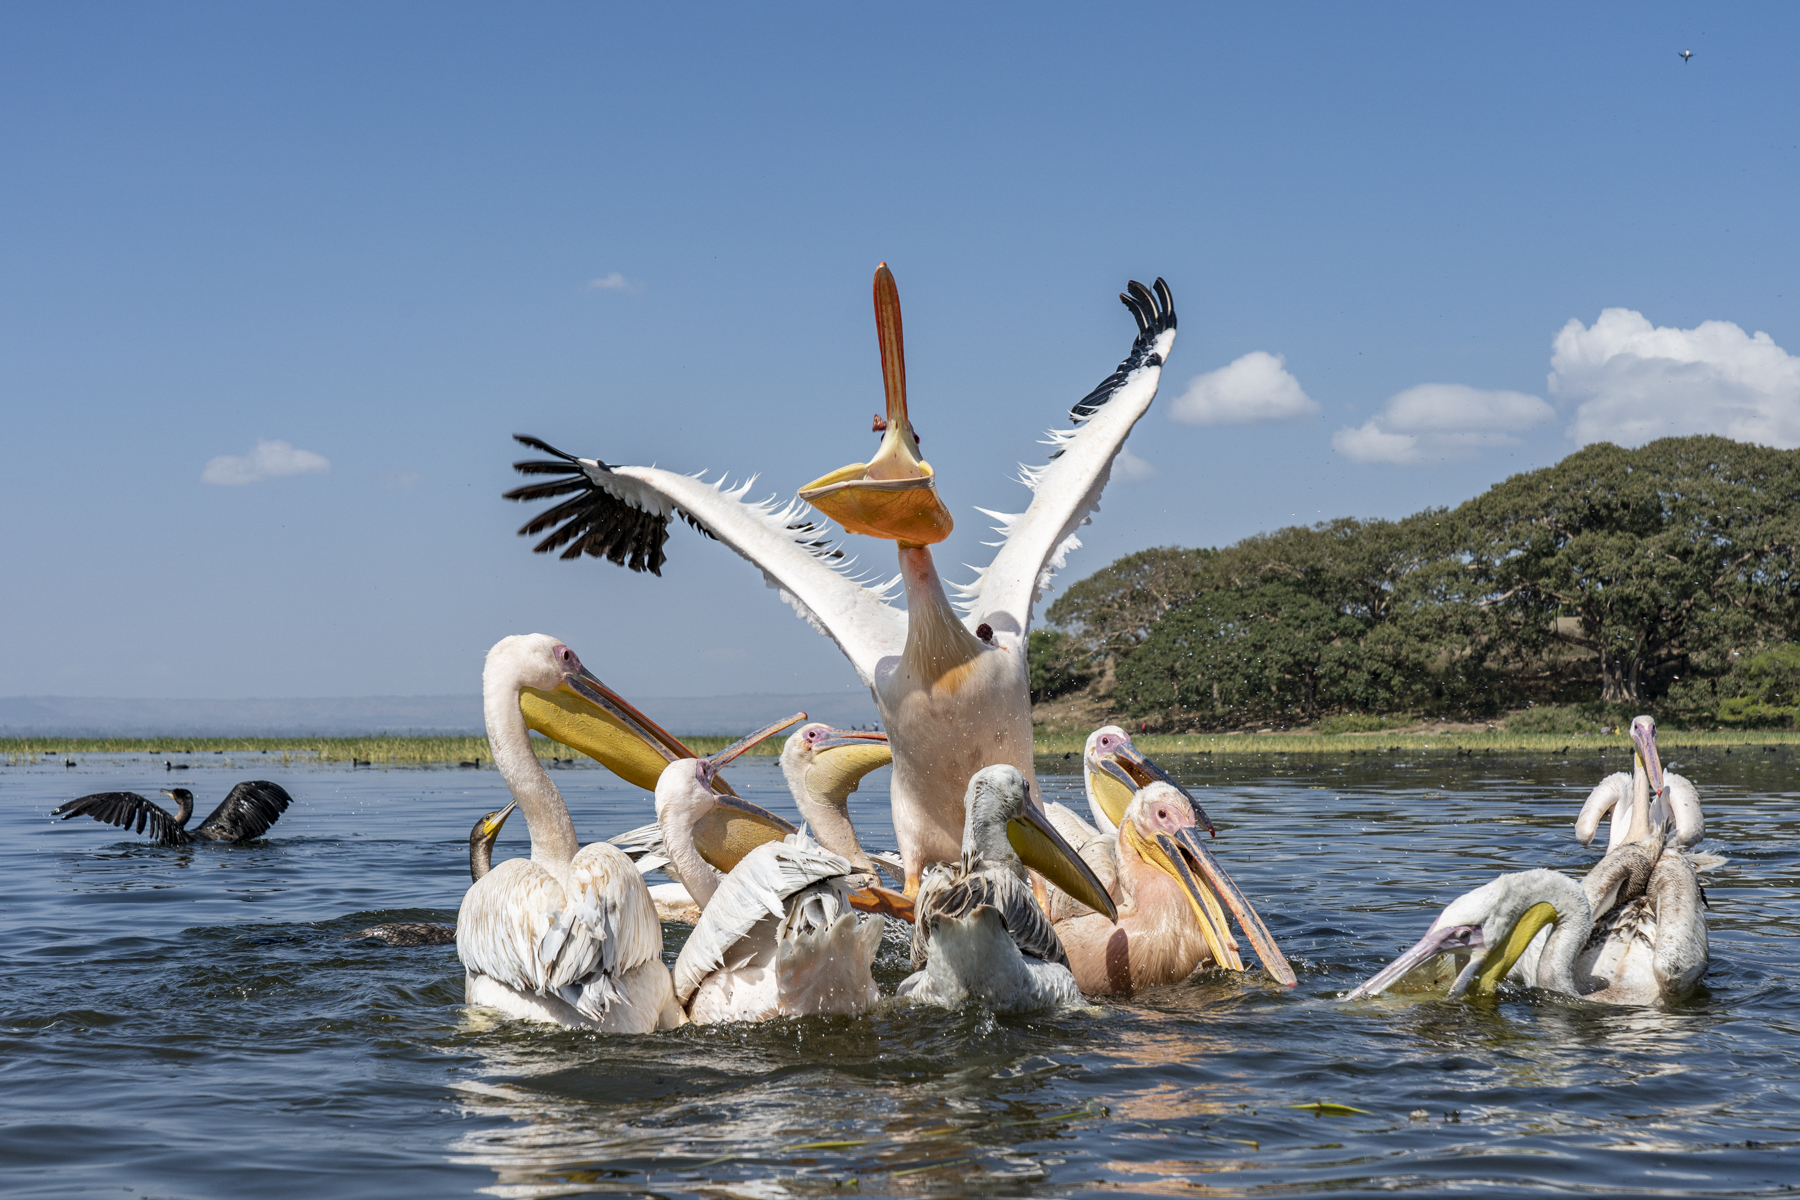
point(1065, 491)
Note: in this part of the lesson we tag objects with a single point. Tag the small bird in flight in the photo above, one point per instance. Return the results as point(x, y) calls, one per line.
point(1686, 54)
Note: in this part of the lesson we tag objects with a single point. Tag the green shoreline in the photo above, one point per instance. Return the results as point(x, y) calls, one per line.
point(422, 750)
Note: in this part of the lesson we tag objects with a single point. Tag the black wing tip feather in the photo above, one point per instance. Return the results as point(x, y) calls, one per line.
point(125, 810)
point(247, 812)
point(1153, 308)
point(593, 521)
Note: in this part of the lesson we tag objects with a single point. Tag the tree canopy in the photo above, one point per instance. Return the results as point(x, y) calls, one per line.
point(1616, 575)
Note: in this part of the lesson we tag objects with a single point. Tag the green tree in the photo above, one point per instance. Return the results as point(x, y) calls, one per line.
point(1232, 656)
point(1661, 558)
point(1058, 664)
point(1113, 609)
point(1765, 690)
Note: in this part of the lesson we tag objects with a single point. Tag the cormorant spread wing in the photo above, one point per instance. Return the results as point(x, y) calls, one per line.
point(247, 813)
point(126, 809)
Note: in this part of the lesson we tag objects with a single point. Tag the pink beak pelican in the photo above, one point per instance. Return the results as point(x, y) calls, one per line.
point(951, 686)
point(1173, 893)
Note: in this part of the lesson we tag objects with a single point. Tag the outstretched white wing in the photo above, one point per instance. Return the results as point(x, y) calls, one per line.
point(622, 514)
point(1066, 490)
point(757, 889)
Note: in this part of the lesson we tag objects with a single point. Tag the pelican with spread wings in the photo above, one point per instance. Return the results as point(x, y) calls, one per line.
point(951, 686)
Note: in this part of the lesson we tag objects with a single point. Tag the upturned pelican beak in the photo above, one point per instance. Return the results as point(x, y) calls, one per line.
point(586, 715)
point(1035, 840)
point(893, 495)
point(841, 760)
point(1117, 774)
point(733, 826)
point(1643, 737)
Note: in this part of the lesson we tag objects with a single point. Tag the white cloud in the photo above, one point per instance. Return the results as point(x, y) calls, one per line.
point(1633, 382)
point(1130, 468)
point(1252, 389)
point(268, 461)
point(614, 282)
point(1436, 422)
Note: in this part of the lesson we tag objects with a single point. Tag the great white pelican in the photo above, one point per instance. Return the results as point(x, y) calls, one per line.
point(1180, 922)
point(950, 681)
point(1632, 932)
point(568, 936)
point(782, 932)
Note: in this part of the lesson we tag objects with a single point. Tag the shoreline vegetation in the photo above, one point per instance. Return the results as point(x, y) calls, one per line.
point(457, 751)
point(1663, 579)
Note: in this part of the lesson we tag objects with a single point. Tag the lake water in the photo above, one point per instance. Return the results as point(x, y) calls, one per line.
point(191, 1023)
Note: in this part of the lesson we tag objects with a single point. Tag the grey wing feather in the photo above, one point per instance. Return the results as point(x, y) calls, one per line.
point(1011, 898)
point(247, 812)
point(126, 809)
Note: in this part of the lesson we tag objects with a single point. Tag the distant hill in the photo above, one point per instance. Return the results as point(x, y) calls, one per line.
point(354, 716)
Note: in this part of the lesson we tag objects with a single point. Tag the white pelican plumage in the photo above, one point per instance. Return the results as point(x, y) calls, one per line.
point(1649, 941)
point(1633, 932)
point(1182, 919)
point(823, 766)
point(568, 936)
point(951, 687)
point(1677, 799)
point(780, 933)
point(978, 933)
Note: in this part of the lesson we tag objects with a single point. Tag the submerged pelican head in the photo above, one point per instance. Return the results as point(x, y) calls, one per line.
point(1492, 925)
point(893, 495)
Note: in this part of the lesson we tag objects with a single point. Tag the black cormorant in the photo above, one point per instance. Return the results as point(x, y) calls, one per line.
point(246, 813)
point(422, 933)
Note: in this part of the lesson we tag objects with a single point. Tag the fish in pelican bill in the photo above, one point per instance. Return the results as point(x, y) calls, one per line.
point(950, 680)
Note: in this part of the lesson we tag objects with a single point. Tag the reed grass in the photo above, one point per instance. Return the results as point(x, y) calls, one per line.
point(453, 750)
point(402, 750)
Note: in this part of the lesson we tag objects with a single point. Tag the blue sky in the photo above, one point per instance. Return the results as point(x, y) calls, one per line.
point(386, 237)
